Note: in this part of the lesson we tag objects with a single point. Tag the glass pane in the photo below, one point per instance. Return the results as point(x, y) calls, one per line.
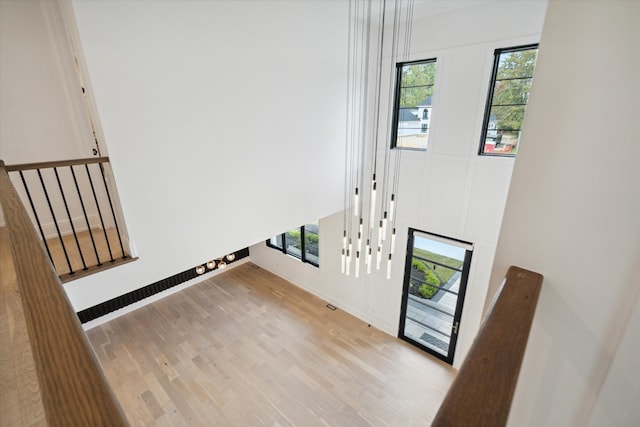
point(293, 242)
point(449, 256)
point(507, 118)
point(413, 138)
point(517, 64)
point(408, 116)
point(413, 129)
point(418, 74)
point(311, 243)
point(434, 282)
point(276, 241)
point(414, 105)
point(505, 143)
point(414, 96)
point(511, 92)
point(503, 130)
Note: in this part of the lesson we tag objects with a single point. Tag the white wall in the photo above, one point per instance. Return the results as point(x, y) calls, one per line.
point(224, 122)
point(572, 214)
point(42, 112)
point(42, 117)
point(448, 190)
point(618, 401)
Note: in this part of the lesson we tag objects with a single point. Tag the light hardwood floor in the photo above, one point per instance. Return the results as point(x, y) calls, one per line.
point(247, 348)
point(87, 247)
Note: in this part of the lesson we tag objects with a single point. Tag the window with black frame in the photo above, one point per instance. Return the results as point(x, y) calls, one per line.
point(507, 99)
point(301, 243)
point(435, 282)
point(413, 104)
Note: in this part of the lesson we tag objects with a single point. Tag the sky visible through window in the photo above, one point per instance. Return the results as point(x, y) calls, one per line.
point(443, 249)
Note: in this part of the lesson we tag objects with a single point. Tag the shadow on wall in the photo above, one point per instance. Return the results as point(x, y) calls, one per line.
point(566, 361)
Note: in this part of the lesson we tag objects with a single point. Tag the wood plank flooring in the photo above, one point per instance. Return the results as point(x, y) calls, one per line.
point(247, 348)
point(106, 252)
point(100, 237)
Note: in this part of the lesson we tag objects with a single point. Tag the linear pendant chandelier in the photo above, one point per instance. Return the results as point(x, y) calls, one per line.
point(366, 216)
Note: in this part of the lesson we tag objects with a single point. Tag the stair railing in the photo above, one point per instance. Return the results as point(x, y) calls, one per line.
point(73, 388)
point(482, 391)
point(72, 208)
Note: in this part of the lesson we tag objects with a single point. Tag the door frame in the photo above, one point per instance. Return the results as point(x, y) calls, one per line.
point(455, 328)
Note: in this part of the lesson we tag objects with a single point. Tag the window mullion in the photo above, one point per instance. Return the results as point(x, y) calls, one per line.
point(302, 245)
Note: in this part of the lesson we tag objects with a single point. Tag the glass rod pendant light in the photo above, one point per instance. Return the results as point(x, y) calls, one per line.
point(356, 204)
point(384, 175)
point(384, 225)
point(360, 236)
point(372, 202)
point(393, 242)
point(344, 251)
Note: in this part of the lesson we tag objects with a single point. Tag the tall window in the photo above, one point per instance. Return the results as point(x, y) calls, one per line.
point(301, 243)
point(507, 100)
point(413, 101)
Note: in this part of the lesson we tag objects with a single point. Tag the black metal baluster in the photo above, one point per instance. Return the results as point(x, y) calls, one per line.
point(86, 217)
point(55, 221)
point(115, 221)
point(93, 190)
point(35, 214)
point(73, 229)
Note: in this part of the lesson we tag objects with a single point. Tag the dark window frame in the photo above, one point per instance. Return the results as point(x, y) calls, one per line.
point(490, 93)
point(465, 270)
point(396, 102)
point(303, 253)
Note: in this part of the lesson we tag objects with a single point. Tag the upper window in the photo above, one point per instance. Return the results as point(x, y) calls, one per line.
point(301, 243)
point(507, 100)
point(412, 108)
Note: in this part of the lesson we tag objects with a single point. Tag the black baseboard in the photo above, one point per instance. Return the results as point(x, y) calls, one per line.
point(121, 301)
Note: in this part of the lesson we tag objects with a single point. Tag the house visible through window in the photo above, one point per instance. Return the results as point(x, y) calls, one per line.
point(301, 243)
point(507, 99)
point(413, 103)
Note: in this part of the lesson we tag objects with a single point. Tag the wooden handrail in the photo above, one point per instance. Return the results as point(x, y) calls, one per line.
point(482, 392)
point(73, 387)
point(56, 164)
